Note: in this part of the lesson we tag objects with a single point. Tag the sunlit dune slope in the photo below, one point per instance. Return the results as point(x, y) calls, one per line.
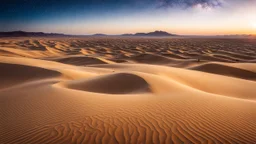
point(127, 90)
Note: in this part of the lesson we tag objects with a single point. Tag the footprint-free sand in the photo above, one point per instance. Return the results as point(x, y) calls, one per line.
point(127, 90)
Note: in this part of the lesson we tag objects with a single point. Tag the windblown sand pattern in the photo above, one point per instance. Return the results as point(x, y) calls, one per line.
point(127, 90)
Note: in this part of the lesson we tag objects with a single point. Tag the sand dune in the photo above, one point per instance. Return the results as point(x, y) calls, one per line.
point(80, 61)
point(150, 59)
point(13, 74)
point(120, 83)
point(127, 90)
point(222, 69)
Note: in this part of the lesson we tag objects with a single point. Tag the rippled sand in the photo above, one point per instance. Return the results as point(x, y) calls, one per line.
point(127, 90)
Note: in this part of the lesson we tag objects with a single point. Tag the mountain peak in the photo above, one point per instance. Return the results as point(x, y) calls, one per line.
point(155, 33)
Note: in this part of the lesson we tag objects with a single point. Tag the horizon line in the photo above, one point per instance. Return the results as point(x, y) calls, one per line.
point(175, 34)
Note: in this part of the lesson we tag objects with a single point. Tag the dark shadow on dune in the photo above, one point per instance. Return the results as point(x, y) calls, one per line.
point(80, 61)
point(150, 59)
point(227, 71)
point(120, 83)
point(13, 74)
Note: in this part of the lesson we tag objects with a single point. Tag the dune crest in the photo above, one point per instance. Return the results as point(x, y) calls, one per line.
point(226, 70)
point(119, 83)
point(80, 61)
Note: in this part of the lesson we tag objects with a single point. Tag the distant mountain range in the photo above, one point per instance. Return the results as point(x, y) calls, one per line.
point(41, 34)
point(150, 34)
point(155, 33)
point(29, 34)
point(99, 34)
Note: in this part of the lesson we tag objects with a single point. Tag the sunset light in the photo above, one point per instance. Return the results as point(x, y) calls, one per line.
point(128, 72)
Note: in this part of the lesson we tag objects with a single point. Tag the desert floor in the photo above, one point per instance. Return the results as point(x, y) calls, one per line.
point(127, 90)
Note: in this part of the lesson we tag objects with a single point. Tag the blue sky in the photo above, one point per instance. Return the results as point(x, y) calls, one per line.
point(197, 17)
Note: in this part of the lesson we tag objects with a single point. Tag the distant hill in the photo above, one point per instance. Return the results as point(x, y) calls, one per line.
point(155, 33)
point(29, 34)
point(150, 34)
point(99, 34)
point(42, 34)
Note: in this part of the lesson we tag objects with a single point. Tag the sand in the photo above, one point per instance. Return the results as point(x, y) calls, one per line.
point(127, 90)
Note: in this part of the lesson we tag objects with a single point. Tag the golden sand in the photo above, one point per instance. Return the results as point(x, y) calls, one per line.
point(127, 90)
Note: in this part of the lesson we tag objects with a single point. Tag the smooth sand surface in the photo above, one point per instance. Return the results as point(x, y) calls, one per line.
point(127, 90)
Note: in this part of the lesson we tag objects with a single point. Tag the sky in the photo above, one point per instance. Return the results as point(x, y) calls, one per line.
point(81, 17)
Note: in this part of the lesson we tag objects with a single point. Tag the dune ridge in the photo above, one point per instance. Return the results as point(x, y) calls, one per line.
point(127, 90)
point(119, 83)
point(222, 69)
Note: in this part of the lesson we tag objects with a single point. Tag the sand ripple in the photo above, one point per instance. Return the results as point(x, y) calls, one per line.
point(127, 90)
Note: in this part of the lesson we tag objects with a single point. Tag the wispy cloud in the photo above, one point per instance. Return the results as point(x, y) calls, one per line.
point(190, 3)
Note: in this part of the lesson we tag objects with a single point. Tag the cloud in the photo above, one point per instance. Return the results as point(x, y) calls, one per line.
point(190, 3)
